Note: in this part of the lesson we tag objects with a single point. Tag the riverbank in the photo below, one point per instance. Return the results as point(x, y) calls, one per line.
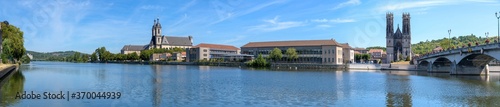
point(6, 70)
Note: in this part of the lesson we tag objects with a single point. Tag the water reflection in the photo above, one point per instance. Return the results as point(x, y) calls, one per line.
point(9, 89)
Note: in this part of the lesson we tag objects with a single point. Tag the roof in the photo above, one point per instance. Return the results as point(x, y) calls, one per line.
point(346, 45)
point(134, 47)
point(398, 34)
point(358, 49)
point(375, 50)
point(291, 43)
point(177, 40)
point(217, 46)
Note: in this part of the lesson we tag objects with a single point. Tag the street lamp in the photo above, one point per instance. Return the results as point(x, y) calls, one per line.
point(498, 21)
point(449, 34)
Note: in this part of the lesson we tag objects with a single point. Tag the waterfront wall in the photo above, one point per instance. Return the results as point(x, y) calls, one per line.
point(5, 72)
point(302, 66)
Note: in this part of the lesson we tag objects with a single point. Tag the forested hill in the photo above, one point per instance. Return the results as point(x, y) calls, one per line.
point(52, 56)
point(427, 46)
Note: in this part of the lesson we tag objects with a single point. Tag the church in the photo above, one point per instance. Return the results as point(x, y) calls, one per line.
point(159, 41)
point(398, 43)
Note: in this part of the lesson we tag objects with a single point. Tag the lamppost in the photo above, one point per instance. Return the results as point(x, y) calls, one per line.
point(449, 34)
point(498, 22)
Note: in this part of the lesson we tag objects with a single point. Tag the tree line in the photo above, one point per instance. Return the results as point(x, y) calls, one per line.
point(103, 55)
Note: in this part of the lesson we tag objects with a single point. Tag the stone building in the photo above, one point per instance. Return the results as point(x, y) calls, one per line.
point(309, 51)
point(160, 41)
point(204, 51)
point(398, 42)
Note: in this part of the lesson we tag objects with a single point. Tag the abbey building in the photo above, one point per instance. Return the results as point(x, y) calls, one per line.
point(160, 41)
point(398, 43)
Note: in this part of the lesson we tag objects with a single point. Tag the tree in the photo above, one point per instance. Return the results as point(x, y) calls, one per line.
point(275, 54)
point(85, 58)
point(259, 62)
point(291, 54)
point(133, 56)
point(93, 57)
point(407, 58)
point(145, 54)
point(13, 42)
point(445, 44)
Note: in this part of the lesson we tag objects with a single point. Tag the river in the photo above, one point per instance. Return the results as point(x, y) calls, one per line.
point(181, 85)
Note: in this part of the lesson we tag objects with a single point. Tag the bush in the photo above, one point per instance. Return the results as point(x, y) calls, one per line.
point(259, 62)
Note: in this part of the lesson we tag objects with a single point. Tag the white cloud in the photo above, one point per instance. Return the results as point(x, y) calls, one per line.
point(347, 3)
point(323, 26)
point(274, 25)
point(151, 7)
point(338, 20)
point(226, 11)
point(421, 4)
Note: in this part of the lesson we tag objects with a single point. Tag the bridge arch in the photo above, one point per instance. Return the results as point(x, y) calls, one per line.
point(442, 64)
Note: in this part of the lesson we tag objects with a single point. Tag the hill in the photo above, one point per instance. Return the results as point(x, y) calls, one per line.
point(427, 46)
point(52, 56)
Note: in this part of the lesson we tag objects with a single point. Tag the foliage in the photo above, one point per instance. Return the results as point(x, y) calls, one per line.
point(132, 56)
point(145, 54)
point(25, 59)
point(259, 62)
point(407, 58)
point(93, 57)
point(275, 54)
point(13, 42)
point(376, 47)
point(427, 46)
point(445, 43)
point(359, 57)
point(291, 54)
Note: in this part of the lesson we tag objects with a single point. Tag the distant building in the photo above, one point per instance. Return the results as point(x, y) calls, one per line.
point(360, 50)
point(159, 56)
point(309, 51)
point(348, 53)
point(206, 51)
point(376, 53)
point(159, 41)
point(127, 49)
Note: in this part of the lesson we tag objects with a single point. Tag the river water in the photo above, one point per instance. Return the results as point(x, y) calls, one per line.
point(181, 85)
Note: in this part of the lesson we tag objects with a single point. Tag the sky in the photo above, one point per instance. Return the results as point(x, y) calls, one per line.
point(85, 25)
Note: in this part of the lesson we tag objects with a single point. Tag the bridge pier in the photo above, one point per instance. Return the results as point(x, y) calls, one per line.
point(471, 70)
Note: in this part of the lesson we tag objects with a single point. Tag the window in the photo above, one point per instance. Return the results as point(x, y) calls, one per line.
point(204, 50)
point(204, 54)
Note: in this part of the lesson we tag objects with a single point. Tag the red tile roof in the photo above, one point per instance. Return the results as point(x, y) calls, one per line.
point(216, 46)
point(291, 43)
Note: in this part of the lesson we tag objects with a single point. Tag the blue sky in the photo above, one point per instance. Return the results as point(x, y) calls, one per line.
point(60, 25)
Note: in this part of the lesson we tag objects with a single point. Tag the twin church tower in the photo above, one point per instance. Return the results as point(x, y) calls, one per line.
point(398, 43)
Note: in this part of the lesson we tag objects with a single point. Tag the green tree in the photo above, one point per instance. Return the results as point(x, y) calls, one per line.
point(407, 58)
point(259, 62)
point(85, 58)
point(445, 44)
point(133, 56)
point(291, 54)
point(145, 54)
point(93, 57)
point(276, 54)
point(13, 42)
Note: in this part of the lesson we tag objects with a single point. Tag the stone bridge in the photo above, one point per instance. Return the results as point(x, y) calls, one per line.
point(461, 61)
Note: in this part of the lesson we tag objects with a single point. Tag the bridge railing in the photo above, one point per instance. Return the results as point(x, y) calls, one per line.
point(458, 50)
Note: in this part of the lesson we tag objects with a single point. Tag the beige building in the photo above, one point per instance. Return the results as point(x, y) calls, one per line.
point(127, 49)
point(348, 53)
point(206, 51)
point(309, 51)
